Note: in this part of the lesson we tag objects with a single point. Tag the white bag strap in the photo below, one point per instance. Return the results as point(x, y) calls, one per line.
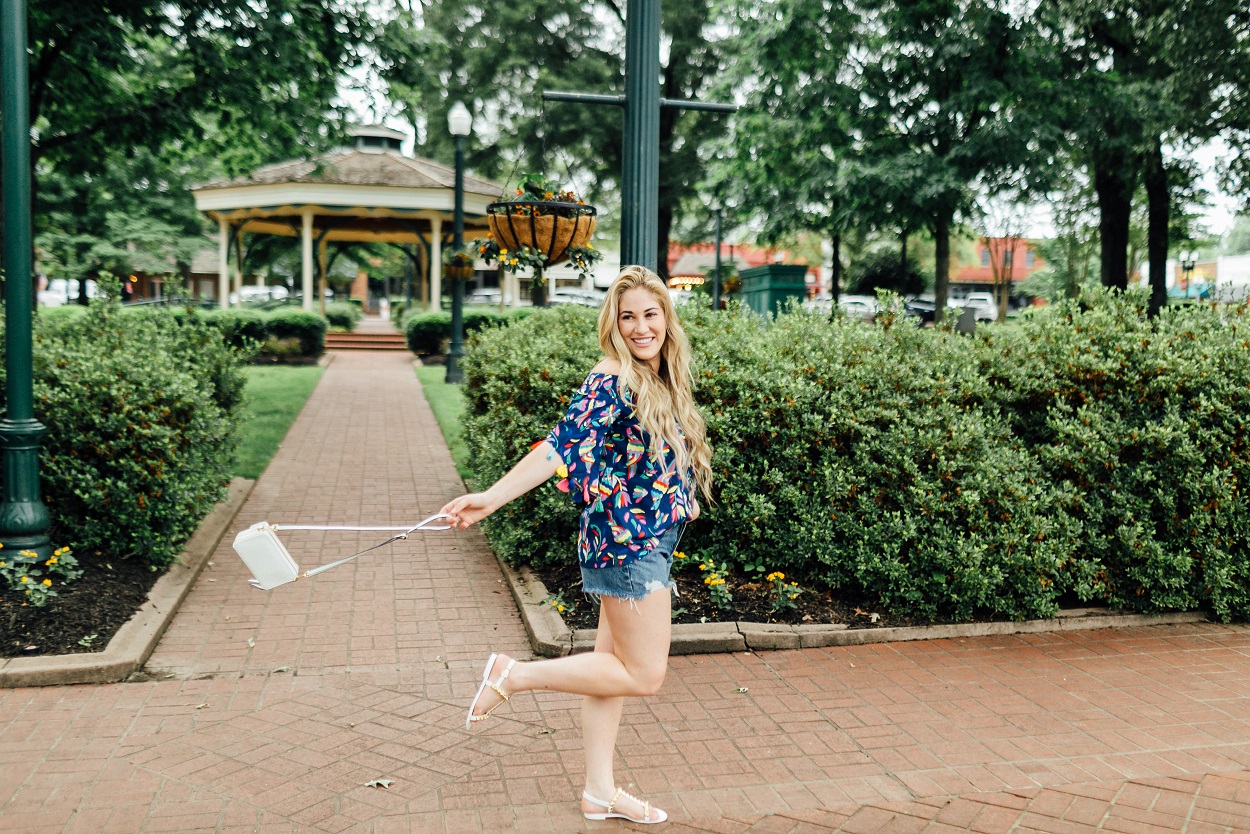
point(426, 524)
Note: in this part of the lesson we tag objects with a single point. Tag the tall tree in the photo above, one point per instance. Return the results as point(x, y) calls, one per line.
point(938, 93)
point(1132, 80)
point(132, 102)
point(786, 163)
point(115, 76)
point(498, 57)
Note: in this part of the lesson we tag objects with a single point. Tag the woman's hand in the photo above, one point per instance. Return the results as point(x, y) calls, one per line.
point(468, 509)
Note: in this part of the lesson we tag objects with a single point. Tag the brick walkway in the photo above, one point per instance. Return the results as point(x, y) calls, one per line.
point(268, 712)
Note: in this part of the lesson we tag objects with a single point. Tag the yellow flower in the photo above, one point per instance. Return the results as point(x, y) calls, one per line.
point(794, 584)
point(775, 575)
point(51, 562)
point(560, 608)
point(47, 582)
point(25, 578)
point(678, 555)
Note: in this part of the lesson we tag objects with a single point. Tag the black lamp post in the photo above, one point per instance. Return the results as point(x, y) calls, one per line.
point(459, 122)
point(24, 519)
point(1189, 260)
point(716, 278)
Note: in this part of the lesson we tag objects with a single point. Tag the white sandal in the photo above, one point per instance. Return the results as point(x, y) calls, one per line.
point(612, 813)
point(495, 685)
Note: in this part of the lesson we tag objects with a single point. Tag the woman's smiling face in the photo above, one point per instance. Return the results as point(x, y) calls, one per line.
point(640, 319)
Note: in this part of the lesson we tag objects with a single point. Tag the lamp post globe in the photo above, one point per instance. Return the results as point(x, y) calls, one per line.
point(459, 123)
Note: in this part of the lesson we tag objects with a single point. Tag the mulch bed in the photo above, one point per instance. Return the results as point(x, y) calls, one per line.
point(99, 602)
point(752, 602)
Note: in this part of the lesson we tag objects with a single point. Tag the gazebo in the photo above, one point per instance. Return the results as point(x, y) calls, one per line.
point(370, 192)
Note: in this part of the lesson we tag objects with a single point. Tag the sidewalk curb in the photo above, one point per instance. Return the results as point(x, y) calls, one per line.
point(134, 642)
point(549, 636)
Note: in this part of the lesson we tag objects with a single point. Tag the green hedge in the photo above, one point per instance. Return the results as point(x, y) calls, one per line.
point(1084, 454)
point(344, 315)
point(427, 332)
point(139, 410)
point(308, 328)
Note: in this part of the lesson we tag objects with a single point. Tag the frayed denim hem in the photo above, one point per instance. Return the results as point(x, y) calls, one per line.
point(632, 599)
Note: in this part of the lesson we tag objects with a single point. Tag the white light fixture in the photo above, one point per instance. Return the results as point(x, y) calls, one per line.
point(459, 120)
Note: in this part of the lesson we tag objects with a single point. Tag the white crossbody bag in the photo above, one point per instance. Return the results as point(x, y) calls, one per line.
point(271, 563)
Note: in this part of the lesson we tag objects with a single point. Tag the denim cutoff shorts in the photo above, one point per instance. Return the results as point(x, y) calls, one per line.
point(640, 577)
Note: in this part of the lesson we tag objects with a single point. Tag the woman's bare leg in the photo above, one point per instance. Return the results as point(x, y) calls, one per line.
point(601, 718)
point(639, 636)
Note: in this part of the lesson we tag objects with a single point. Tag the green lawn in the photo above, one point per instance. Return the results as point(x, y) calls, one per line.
point(447, 401)
point(274, 396)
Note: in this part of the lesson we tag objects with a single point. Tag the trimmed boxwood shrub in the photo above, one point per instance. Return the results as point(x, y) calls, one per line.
point(1145, 421)
point(139, 412)
point(427, 332)
point(290, 323)
point(241, 328)
point(344, 315)
point(1084, 454)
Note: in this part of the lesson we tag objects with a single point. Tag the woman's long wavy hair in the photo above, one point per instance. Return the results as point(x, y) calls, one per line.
point(661, 401)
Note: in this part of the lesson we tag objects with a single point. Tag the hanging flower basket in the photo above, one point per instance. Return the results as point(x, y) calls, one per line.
point(549, 226)
point(458, 263)
point(458, 273)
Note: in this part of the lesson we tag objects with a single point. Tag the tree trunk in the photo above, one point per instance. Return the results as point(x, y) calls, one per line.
point(942, 271)
point(835, 269)
point(1158, 202)
point(902, 257)
point(1073, 279)
point(1113, 181)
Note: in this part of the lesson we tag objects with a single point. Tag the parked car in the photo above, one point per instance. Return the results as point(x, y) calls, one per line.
point(921, 308)
point(61, 291)
point(252, 294)
point(819, 304)
point(487, 295)
point(983, 305)
point(861, 307)
point(585, 298)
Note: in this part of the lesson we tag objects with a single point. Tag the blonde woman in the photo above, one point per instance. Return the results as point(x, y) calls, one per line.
point(635, 451)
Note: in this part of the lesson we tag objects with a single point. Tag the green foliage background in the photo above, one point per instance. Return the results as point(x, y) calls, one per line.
point(1086, 454)
point(139, 409)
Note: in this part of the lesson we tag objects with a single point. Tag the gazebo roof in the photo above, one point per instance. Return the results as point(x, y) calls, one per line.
point(352, 166)
point(371, 192)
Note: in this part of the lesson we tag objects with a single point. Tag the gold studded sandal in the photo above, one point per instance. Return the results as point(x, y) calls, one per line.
point(649, 815)
point(496, 685)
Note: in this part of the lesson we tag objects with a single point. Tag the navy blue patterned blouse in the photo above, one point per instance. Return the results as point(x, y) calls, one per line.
point(628, 501)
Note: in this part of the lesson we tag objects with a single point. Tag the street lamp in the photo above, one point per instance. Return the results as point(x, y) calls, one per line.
point(459, 122)
point(24, 519)
point(1189, 260)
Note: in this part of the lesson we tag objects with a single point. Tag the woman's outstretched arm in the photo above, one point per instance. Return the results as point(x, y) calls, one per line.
point(534, 469)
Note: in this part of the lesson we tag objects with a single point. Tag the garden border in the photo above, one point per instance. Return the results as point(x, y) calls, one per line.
point(549, 636)
point(134, 642)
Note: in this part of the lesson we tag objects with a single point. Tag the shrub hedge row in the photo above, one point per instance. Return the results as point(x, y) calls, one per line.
point(139, 408)
point(429, 332)
point(1085, 453)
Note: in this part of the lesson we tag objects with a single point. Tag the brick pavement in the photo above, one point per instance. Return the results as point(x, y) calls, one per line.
point(268, 712)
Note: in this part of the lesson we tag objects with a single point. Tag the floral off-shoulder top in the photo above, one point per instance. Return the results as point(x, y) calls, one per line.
point(628, 500)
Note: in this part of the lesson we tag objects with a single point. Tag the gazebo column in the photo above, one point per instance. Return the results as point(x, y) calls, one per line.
point(436, 264)
point(223, 263)
point(238, 259)
point(306, 259)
